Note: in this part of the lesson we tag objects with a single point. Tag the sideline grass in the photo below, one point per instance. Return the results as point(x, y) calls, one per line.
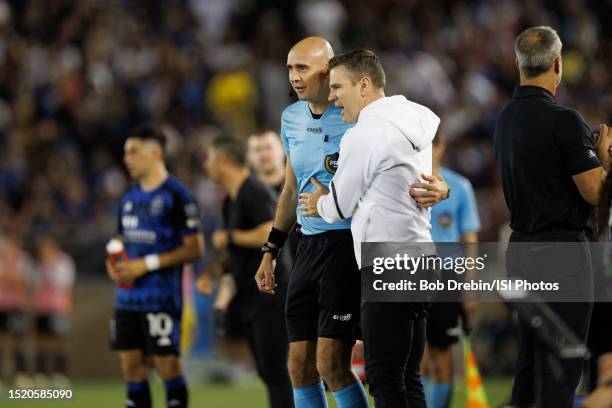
point(107, 394)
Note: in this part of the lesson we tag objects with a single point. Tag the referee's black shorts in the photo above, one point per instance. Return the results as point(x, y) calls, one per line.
point(324, 293)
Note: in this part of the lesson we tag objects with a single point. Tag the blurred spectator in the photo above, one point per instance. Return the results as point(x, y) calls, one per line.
point(266, 158)
point(15, 271)
point(54, 281)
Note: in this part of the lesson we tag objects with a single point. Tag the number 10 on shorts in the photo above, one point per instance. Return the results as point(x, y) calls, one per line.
point(160, 326)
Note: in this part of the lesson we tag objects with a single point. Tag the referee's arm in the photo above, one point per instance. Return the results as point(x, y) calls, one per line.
point(285, 218)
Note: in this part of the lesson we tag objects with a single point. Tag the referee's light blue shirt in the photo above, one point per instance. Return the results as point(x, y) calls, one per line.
point(313, 145)
point(458, 214)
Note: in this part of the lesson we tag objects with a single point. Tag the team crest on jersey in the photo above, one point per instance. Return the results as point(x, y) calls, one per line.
point(331, 162)
point(157, 206)
point(445, 220)
point(128, 206)
point(191, 210)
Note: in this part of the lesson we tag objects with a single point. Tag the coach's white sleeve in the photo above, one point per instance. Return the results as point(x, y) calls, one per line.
point(350, 181)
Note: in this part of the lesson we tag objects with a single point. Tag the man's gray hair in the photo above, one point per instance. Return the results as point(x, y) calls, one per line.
point(536, 49)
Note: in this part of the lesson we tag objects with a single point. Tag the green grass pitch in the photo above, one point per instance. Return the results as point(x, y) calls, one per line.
point(248, 394)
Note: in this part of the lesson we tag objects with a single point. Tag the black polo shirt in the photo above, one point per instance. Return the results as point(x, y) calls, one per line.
point(539, 145)
point(254, 205)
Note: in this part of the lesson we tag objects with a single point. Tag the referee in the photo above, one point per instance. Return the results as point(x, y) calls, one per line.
point(552, 173)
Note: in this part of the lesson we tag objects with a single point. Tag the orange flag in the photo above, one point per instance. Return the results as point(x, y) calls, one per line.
point(475, 392)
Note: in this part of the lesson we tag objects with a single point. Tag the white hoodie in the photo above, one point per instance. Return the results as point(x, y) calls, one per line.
point(387, 150)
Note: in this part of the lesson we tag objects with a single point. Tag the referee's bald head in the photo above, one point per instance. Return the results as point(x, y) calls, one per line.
point(308, 71)
point(316, 48)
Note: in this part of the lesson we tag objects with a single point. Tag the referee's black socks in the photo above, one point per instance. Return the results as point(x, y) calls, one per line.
point(138, 395)
point(176, 393)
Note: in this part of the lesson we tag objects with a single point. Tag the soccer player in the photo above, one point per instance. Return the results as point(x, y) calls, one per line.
point(389, 147)
point(453, 220)
point(248, 212)
point(324, 292)
point(159, 224)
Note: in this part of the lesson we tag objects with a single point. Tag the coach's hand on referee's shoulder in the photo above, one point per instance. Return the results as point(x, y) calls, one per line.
point(308, 201)
point(264, 278)
point(131, 269)
point(431, 192)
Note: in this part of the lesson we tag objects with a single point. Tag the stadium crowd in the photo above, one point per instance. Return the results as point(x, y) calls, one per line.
point(75, 76)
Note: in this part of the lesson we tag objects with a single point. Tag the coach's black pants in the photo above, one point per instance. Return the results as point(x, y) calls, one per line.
point(394, 339)
point(266, 334)
point(540, 373)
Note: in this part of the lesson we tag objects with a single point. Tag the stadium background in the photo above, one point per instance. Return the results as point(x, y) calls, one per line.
point(76, 75)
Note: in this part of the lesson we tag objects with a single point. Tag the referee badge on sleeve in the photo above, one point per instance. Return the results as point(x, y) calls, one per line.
point(331, 162)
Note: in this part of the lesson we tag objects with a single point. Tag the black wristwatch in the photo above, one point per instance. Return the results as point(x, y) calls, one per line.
point(270, 250)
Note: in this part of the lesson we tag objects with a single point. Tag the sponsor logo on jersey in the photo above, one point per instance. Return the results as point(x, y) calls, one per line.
point(138, 236)
point(129, 221)
point(343, 318)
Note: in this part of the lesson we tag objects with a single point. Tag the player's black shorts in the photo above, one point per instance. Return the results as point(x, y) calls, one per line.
point(13, 322)
point(324, 292)
point(52, 325)
point(443, 324)
point(152, 332)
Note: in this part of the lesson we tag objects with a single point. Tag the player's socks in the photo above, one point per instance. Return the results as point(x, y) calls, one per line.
point(176, 393)
point(353, 396)
point(138, 395)
point(440, 395)
point(312, 396)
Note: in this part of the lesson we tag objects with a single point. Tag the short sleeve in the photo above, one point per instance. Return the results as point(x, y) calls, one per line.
point(469, 221)
point(574, 139)
point(283, 136)
point(186, 214)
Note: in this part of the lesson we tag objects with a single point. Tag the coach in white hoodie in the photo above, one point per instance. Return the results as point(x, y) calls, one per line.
point(388, 149)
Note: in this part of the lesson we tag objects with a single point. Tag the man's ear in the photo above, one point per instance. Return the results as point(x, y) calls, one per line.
point(558, 65)
point(364, 83)
point(159, 152)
